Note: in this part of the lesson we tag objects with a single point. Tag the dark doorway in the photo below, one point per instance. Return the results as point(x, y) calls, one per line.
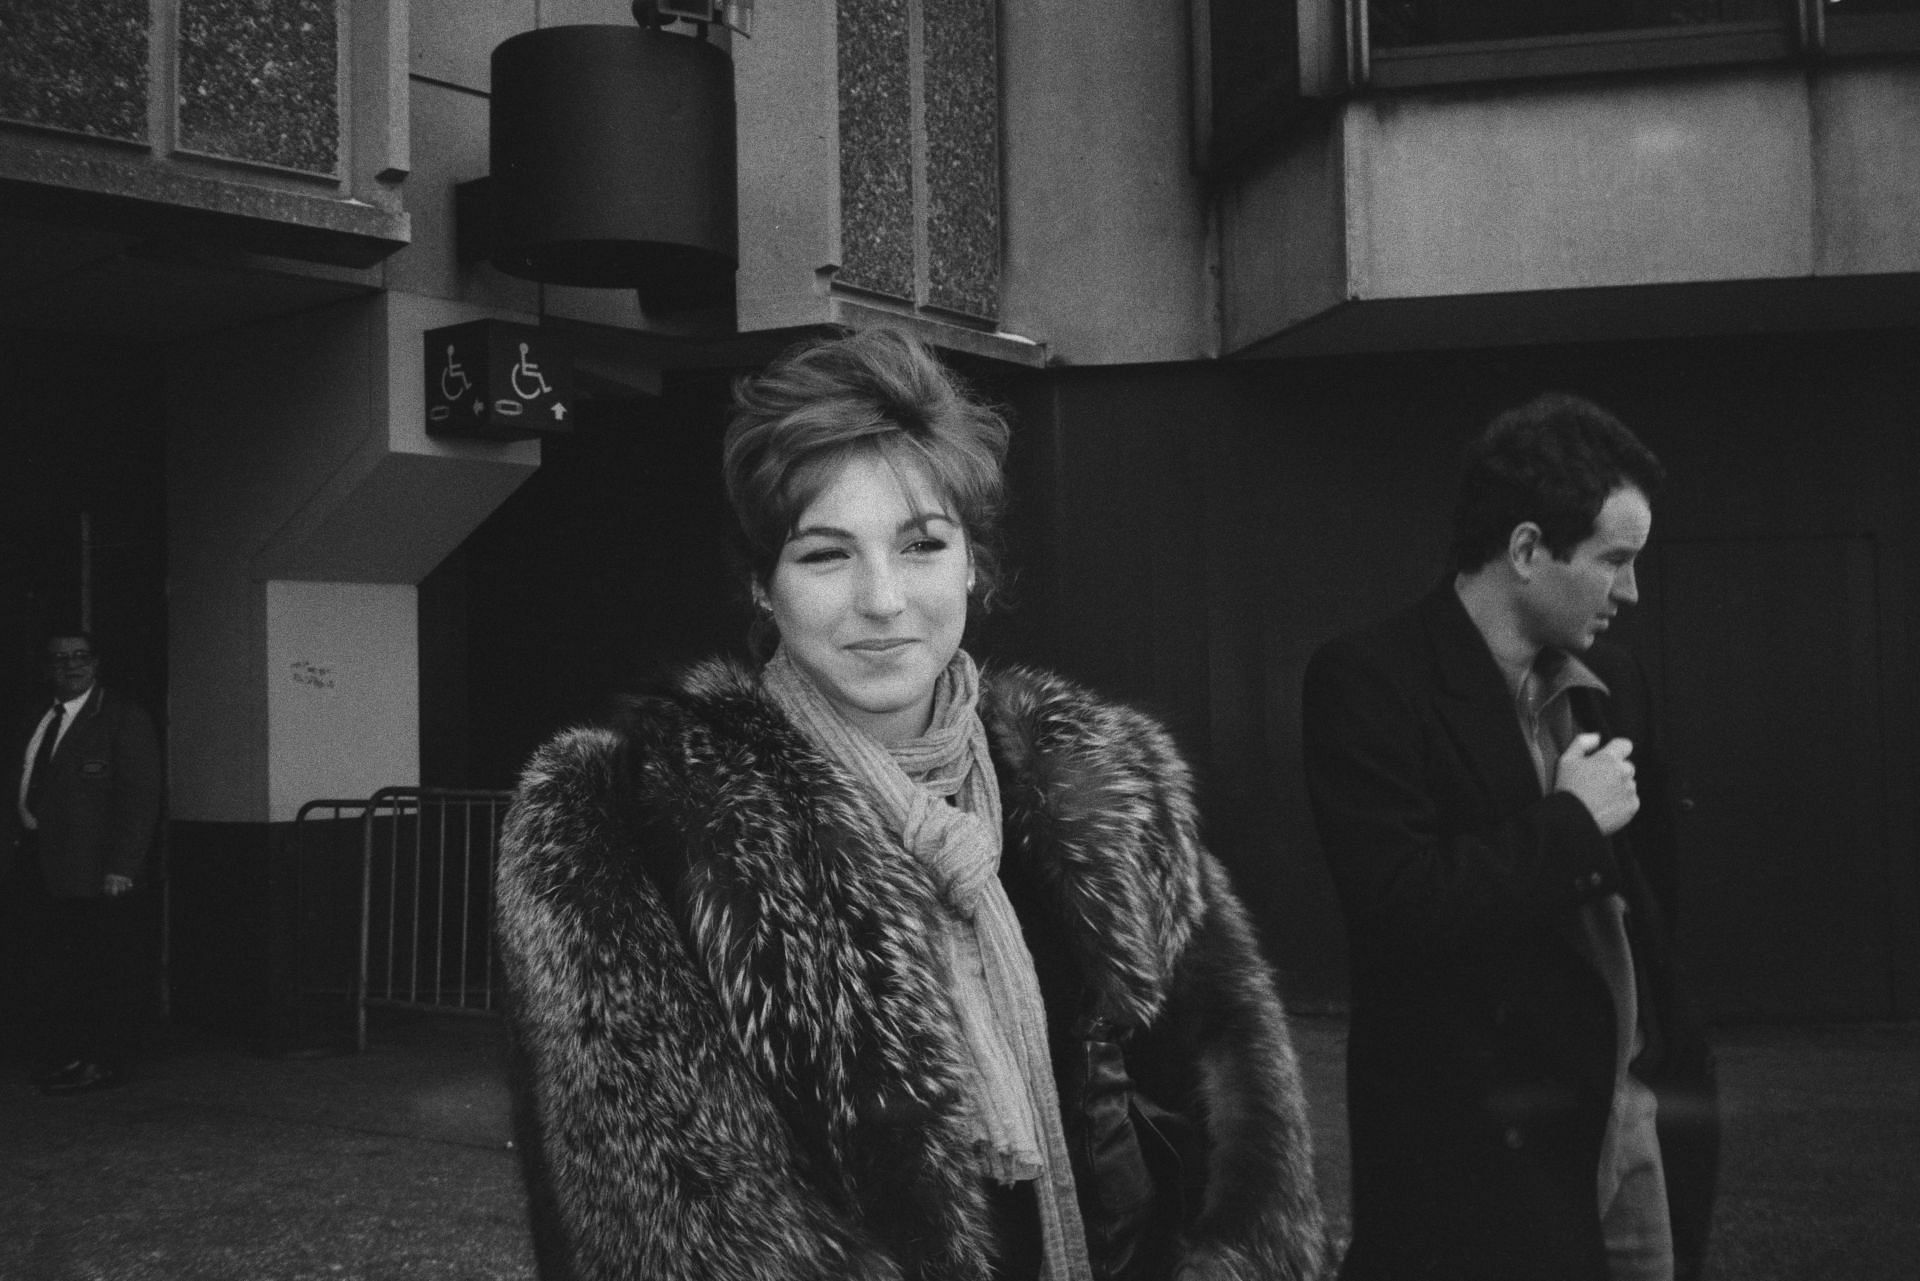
point(82, 510)
point(1772, 681)
point(608, 565)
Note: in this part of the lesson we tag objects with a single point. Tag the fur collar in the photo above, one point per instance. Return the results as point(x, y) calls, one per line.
point(1097, 800)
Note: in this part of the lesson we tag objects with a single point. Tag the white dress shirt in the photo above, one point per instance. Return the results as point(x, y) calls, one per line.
point(72, 707)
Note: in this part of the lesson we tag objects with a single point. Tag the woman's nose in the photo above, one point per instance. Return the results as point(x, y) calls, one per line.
point(880, 593)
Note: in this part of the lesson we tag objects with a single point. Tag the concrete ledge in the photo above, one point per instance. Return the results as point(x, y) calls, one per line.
point(150, 198)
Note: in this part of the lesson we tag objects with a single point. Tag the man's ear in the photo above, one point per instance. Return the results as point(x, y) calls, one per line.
point(1524, 548)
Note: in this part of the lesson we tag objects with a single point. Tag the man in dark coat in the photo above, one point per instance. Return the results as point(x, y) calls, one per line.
point(77, 827)
point(1486, 776)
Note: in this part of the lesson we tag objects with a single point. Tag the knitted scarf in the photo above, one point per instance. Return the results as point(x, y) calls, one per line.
point(1002, 1022)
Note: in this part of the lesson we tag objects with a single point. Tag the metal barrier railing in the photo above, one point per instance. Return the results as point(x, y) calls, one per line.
point(314, 991)
point(426, 901)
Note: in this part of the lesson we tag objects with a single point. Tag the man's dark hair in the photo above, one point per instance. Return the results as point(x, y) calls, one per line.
point(1553, 461)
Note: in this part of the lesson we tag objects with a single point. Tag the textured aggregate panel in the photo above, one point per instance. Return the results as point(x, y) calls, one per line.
point(259, 81)
point(876, 147)
point(962, 87)
point(81, 67)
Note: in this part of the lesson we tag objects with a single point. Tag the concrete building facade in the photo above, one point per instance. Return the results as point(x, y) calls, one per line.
point(1246, 274)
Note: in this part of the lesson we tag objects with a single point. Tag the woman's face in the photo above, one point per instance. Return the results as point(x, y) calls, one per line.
point(870, 596)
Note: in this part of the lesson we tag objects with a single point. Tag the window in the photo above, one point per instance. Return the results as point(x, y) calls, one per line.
point(1413, 42)
point(1397, 24)
point(186, 116)
point(1261, 64)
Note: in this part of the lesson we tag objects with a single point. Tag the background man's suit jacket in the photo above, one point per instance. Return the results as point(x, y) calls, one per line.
point(99, 805)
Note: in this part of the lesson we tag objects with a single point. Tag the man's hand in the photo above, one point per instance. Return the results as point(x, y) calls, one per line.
point(1602, 777)
point(117, 885)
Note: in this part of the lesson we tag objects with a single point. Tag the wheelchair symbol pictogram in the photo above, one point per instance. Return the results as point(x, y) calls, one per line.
point(528, 382)
point(451, 371)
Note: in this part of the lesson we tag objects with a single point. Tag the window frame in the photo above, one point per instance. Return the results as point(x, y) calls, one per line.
point(159, 184)
point(1333, 59)
point(1536, 57)
point(1805, 28)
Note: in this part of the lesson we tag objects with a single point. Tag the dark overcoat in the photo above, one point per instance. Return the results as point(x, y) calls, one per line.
point(1482, 1049)
point(733, 1055)
point(99, 806)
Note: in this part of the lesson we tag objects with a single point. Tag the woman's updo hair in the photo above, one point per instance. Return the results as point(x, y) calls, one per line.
point(876, 393)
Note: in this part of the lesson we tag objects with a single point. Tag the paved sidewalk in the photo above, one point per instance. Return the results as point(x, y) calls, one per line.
point(1820, 1171)
point(1820, 1161)
point(215, 1164)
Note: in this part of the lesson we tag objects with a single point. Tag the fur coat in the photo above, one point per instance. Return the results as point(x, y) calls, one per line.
point(732, 1052)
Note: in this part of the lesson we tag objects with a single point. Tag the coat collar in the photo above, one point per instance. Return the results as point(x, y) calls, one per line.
point(1096, 799)
point(1478, 706)
point(1099, 800)
point(1476, 703)
point(1462, 658)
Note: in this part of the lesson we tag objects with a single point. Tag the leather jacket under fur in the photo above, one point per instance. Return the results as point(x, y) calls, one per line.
point(733, 1055)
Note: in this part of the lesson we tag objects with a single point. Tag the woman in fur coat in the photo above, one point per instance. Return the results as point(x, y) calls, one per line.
point(868, 964)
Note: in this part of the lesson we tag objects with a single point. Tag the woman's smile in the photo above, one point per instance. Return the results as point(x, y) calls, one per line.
point(883, 646)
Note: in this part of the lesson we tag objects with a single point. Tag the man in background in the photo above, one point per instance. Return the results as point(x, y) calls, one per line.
point(77, 826)
point(1526, 1098)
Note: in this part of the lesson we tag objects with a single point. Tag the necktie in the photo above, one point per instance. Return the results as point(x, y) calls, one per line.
point(43, 758)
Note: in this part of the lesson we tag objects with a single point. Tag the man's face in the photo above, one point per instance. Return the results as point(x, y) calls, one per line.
point(1566, 603)
point(70, 666)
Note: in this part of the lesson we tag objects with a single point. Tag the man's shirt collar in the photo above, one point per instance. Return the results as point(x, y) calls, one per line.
point(1560, 671)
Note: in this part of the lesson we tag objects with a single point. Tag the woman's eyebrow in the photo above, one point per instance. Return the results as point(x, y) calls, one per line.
point(820, 531)
point(919, 522)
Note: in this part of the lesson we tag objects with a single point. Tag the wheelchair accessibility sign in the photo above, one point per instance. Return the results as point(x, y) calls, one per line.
point(494, 380)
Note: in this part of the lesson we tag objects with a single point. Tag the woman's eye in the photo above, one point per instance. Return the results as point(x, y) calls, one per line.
point(820, 555)
point(927, 546)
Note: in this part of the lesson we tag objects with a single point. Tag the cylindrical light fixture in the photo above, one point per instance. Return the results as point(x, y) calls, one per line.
point(613, 163)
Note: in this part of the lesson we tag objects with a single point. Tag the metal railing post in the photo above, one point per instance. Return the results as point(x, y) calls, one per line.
point(366, 921)
point(470, 894)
